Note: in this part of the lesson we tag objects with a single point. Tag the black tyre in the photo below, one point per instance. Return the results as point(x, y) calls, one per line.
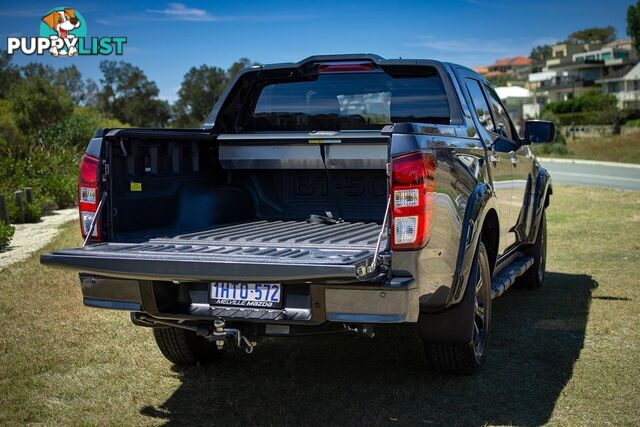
point(467, 358)
point(533, 277)
point(184, 347)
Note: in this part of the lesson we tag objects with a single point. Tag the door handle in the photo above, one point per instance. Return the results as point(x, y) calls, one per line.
point(493, 158)
point(514, 160)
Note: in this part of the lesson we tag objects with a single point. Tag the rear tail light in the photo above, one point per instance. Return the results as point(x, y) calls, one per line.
point(89, 195)
point(413, 191)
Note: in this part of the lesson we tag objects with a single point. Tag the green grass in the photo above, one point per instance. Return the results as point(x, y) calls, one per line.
point(566, 354)
point(617, 148)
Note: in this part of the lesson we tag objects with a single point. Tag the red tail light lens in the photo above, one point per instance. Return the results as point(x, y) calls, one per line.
point(413, 191)
point(89, 195)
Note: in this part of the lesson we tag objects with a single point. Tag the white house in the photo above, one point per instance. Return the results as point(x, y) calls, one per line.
point(624, 83)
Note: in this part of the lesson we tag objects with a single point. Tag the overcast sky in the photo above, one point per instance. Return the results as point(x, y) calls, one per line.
point(166, 39)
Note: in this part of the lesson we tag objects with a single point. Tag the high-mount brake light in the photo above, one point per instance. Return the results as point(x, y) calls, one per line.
point(329, 67)
point(413, 192)
point(89, 195)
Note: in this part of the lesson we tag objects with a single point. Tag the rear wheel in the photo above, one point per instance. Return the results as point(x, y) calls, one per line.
point(184, 347)
point(467, 358)
point(533, 277)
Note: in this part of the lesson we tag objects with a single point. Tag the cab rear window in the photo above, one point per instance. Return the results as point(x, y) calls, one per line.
point(350, 101)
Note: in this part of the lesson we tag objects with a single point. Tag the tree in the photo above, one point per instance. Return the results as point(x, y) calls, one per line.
point(593, 35)
point(540, 54)
point(71, 79)
point(238, 66)
point(633, 24)
point(200, 89)
point(36, 104)
point(9, 73)
point(35, 69)
point(129, 96)
point(82, 92)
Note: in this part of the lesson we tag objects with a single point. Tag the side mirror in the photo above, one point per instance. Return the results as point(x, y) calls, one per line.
point(539, 131)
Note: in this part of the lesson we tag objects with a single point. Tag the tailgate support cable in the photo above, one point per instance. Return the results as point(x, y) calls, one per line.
point(94, 221)
point(374, 262)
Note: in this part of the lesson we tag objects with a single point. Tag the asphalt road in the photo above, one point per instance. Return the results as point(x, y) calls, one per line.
point(593, 174)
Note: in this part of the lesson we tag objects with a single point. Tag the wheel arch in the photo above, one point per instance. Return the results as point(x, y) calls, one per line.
point(481, 203)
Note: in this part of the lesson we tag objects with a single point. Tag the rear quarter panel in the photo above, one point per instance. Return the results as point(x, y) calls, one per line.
point(463, 197)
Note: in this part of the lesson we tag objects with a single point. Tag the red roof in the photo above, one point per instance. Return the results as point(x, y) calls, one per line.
point(520, 60)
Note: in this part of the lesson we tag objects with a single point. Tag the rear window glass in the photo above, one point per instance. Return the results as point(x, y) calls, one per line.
point(350, 101)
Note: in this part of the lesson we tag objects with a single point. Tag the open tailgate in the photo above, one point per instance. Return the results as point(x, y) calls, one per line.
point(195, 262)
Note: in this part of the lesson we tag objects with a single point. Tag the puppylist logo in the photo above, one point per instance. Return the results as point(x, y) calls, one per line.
point(63, 32)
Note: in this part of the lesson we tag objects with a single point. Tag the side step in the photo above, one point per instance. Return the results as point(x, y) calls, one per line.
point(509, 274)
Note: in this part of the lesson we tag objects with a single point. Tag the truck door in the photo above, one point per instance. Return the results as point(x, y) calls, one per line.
point(520, 162)
point(500, 168)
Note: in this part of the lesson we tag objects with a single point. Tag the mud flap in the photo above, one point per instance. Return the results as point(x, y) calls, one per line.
point(453, 325)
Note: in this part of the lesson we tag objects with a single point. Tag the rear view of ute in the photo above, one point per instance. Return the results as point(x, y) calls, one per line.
point(282, 216)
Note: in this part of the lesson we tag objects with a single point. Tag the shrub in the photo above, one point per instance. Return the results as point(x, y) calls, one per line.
point(559, 145)
point(47, 203)
point(36, 105)
point(605, 117)
point(78, 129)
point(32, 213)
point(6, 234)
point(634, 123)
point(590, 101)
point(52, 174)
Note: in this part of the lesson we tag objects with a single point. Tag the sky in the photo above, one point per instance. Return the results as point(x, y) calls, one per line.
point(166, 39)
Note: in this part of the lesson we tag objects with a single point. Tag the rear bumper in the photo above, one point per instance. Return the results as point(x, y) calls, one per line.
point(394, 301)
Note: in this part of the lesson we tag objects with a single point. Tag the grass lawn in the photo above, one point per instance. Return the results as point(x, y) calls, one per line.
point(617, 148)
point(567, 354)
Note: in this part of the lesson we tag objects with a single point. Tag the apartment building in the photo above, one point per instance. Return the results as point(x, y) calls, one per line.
point(624, 83)
point(574, 69)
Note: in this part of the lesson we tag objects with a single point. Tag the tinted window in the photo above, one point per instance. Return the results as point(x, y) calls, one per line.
point(480, 104)
point(350, 101)
point(500, 114)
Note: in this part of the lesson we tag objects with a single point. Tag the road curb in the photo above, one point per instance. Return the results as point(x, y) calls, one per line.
point(588, 162)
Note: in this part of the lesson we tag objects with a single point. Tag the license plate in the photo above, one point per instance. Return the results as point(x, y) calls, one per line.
point(266, 295)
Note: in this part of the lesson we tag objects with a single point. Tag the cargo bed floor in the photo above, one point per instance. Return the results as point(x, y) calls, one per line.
point(301, 234)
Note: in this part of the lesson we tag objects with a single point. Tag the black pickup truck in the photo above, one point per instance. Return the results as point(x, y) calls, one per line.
point(331, 195)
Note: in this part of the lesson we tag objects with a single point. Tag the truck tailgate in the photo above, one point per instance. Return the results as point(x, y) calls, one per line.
point(283, 251)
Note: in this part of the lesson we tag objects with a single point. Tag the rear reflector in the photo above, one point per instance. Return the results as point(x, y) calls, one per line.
point(413, 190)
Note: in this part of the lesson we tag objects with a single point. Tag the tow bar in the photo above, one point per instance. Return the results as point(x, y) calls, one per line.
point(219, 334)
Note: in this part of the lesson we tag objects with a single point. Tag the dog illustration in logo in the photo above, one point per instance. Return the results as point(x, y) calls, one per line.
point(62, 21)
